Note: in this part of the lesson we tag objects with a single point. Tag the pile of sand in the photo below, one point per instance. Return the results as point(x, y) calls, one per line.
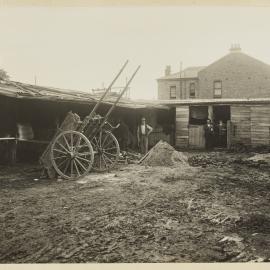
point(163, 154)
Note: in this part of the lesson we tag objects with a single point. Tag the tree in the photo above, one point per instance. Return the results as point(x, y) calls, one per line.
point(3, 75)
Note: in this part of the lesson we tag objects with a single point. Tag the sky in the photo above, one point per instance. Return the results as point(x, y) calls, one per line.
point(84, 48)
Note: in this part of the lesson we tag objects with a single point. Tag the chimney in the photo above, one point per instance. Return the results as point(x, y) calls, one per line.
point(235, 48)
point(168, 70)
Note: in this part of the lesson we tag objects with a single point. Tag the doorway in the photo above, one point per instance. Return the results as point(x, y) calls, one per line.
point(221, 116)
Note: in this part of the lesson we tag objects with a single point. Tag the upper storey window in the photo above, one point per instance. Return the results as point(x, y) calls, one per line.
point(192, 92)
point(217, 89)
point(172, 92)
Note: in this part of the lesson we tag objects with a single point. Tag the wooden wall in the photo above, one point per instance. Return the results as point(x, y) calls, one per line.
point(260, 125)
point(241, 124)
point(196, 137)
point(250, 124)
point(182, 121)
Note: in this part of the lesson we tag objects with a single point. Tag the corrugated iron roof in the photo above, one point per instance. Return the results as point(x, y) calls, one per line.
point(27, 91)
point(190, 72)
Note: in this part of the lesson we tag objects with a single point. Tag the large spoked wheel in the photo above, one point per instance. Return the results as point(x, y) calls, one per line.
point(107, 151)
point(72, 154)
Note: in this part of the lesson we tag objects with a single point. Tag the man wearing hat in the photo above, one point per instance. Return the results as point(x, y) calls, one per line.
point(143, 132)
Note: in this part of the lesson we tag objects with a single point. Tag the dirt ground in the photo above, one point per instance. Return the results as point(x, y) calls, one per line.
point(218, 211)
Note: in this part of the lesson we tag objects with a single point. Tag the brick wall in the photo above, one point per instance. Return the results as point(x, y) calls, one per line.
point(242, 77)
point(164, 88)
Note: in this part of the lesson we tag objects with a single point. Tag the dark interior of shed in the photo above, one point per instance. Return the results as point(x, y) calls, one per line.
point(198, 115)
point(43, 117)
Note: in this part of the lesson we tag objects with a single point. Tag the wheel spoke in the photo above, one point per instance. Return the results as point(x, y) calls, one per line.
point(109, 154)
point(80, 164)
point(100, 161)
point(108, 144)
point(57, 150)
point(68, 162)
point(65, 139)
point(96, 144)
point(59, 157)
point(84, 154)
point(104, 161)
point(111, 148)
point(100, 138)
point(77, 145)
point(71, 167)
point(83, 159)
point(82, 145)
point(106, 137)
point(62, 147)
point(72, 154)
point(63, 162)
point(76, 167)
point(108, 159)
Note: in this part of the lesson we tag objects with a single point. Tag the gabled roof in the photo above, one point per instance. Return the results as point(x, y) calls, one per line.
point(190, 72)
point(27, 91)
point(239, 61)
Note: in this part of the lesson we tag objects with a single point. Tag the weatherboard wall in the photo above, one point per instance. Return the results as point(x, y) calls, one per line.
point(260, 125)
point(181, 125)
point(241, 125)
point(250, 125)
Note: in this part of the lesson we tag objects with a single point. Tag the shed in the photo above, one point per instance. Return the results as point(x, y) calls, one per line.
point(29, 116)
point(247, 121)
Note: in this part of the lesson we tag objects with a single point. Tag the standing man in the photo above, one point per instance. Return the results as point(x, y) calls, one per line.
point(143, 132)
point(222, 134)
point(209, 134)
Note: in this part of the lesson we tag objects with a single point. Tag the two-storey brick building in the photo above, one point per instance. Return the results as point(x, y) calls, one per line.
point(180, 85)
point(236, 75)
point(234, 89)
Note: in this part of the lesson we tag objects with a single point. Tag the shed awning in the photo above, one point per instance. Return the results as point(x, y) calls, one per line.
point(27, 91)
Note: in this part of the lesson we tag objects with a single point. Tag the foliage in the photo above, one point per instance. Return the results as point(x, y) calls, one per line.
point(3, 75)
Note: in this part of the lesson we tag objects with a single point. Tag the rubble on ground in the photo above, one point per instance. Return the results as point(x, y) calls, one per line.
point(209, 159)
point(163, 154)
point(129, 157)
point(138, 214)
point(256, 161)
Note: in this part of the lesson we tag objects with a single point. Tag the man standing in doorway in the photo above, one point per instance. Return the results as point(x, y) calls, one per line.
point(209, 134)
point(143, 132)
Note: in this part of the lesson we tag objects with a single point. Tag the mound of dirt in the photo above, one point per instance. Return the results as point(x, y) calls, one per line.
point(163, 154)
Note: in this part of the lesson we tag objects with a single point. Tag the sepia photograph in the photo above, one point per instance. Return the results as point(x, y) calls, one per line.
point(134, 132)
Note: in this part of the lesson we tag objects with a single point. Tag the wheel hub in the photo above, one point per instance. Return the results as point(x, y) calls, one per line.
point(72, 155)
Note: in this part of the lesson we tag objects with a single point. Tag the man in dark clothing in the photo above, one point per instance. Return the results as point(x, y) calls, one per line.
point(222, 134)
point(209, 134)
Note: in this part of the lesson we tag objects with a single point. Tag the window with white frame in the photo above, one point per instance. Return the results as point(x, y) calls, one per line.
point(172, 92)
point(217, 89)
point(192, 93)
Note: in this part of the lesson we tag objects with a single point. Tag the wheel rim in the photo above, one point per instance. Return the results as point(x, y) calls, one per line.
point(107, 151)
point(72, 155)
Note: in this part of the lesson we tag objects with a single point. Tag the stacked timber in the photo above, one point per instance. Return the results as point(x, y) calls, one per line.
point(182, 120)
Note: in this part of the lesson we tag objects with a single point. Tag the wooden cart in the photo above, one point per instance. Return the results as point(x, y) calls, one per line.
point(90, 145)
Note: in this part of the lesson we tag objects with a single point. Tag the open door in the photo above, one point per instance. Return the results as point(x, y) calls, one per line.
point(221, 118)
